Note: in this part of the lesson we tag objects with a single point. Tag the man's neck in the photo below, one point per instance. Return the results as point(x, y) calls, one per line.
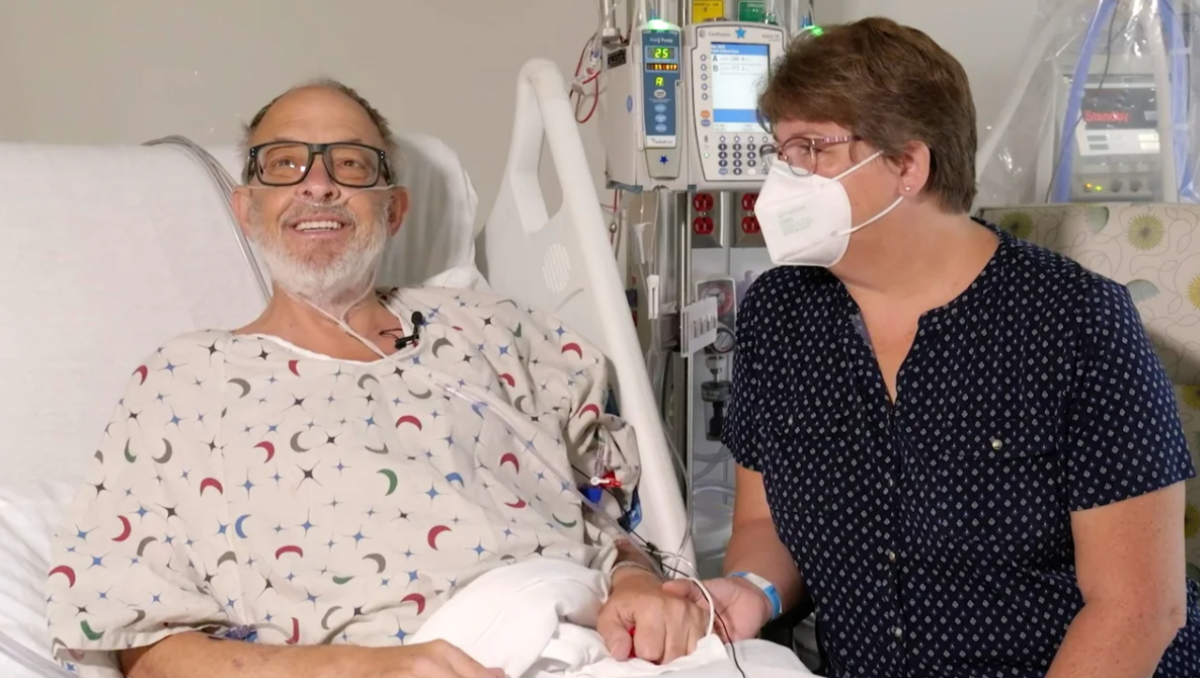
point(923, 258)
point(299, 323)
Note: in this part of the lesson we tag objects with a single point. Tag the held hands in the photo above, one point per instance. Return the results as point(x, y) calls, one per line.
point(644, 618)
point(742, 609)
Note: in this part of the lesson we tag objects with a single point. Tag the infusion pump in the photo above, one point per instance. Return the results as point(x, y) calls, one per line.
point(728, 68)
point(679, 108)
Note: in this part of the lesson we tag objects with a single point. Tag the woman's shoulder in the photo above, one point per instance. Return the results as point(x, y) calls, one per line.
point(1040, 278)
point(788, 285)
point(1041, 265)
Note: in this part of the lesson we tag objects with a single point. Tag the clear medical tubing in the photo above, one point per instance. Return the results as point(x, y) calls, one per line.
point(225, 184)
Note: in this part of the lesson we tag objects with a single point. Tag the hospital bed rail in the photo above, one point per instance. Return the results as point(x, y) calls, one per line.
point(570, 271)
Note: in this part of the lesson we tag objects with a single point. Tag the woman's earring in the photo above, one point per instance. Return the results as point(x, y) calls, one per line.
point(907, 189)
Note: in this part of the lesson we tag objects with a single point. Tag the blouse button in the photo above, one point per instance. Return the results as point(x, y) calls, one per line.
point(997, 444)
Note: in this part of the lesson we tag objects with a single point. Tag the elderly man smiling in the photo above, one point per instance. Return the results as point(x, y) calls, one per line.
point(316, 484)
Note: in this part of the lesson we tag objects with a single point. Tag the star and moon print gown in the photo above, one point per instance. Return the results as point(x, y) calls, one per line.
point(251, 489)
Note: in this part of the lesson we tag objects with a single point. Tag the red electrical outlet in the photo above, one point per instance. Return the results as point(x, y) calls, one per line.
point(702, 226)
point(703, 202)
point(750, 225)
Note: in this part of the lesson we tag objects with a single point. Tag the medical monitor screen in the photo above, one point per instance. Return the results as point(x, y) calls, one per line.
point(1120, 108)
point(739, 75)
point(659, 53)
point(1118, 120)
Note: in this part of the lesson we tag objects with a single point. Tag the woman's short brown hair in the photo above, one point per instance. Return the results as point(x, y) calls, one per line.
point(890, 85)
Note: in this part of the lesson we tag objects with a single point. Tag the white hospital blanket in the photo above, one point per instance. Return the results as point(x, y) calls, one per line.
point(244, 482)
point(536, 620)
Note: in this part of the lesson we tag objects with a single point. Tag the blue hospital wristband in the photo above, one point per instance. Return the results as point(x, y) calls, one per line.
point(766, 587)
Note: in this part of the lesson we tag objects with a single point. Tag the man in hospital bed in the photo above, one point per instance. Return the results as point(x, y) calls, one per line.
point(297, 497)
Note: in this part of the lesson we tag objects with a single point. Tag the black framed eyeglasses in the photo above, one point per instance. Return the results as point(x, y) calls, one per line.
point(286, 163)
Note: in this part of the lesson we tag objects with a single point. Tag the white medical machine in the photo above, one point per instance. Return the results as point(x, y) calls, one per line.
point(1102, 109)
point(729, 66)
point(680, 106)
point(645, 147)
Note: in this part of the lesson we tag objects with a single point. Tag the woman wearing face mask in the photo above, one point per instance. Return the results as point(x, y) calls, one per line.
point(960, 446)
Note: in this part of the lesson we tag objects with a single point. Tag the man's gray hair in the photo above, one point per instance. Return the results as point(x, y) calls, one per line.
point(389, 140)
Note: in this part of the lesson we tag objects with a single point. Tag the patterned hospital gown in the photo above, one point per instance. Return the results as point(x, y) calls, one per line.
point(247, 486)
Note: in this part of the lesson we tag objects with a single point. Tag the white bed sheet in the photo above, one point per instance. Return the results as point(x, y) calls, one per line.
point(536, 620)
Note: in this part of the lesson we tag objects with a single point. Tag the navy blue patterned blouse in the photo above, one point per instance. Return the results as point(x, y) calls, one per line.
point(935, 535)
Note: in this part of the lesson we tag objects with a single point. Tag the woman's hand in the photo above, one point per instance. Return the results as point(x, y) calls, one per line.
point(643, 618)
point(742, 608)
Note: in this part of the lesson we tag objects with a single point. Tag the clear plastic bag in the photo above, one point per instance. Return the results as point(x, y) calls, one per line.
point(1101, 109)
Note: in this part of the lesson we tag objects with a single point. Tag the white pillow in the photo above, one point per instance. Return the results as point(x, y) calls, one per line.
point(438, 235)
point(28, 515)
point(459, 278)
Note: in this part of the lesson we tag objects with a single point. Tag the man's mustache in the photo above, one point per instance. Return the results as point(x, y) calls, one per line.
point(300, 211)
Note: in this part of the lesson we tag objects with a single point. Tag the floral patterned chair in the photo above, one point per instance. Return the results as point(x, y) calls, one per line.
point(1154, 250)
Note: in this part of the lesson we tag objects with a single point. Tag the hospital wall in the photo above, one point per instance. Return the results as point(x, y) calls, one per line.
point(124, 71)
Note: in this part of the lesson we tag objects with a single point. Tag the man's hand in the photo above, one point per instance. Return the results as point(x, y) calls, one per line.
point(193, 655)
point(641, 618)
point(742, 609)
point(437, 659)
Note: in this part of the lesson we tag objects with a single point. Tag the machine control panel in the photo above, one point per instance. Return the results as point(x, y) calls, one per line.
point(1117, 150)
point(660, 78)
point(729, 64)
point(662, 64)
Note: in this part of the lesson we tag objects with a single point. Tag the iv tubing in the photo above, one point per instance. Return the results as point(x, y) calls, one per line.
point(1075, 98)
point(225, 184)
point(1180, 97)
point(488, 399)
point(1165, 80)
point(1166, 119)
point(484, 397)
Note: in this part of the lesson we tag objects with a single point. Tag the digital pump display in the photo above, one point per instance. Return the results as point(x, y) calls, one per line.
point(739, 75)
point(662, 59)
point(654, 53)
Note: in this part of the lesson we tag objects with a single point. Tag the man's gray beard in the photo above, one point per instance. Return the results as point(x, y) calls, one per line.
point(333, 287)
